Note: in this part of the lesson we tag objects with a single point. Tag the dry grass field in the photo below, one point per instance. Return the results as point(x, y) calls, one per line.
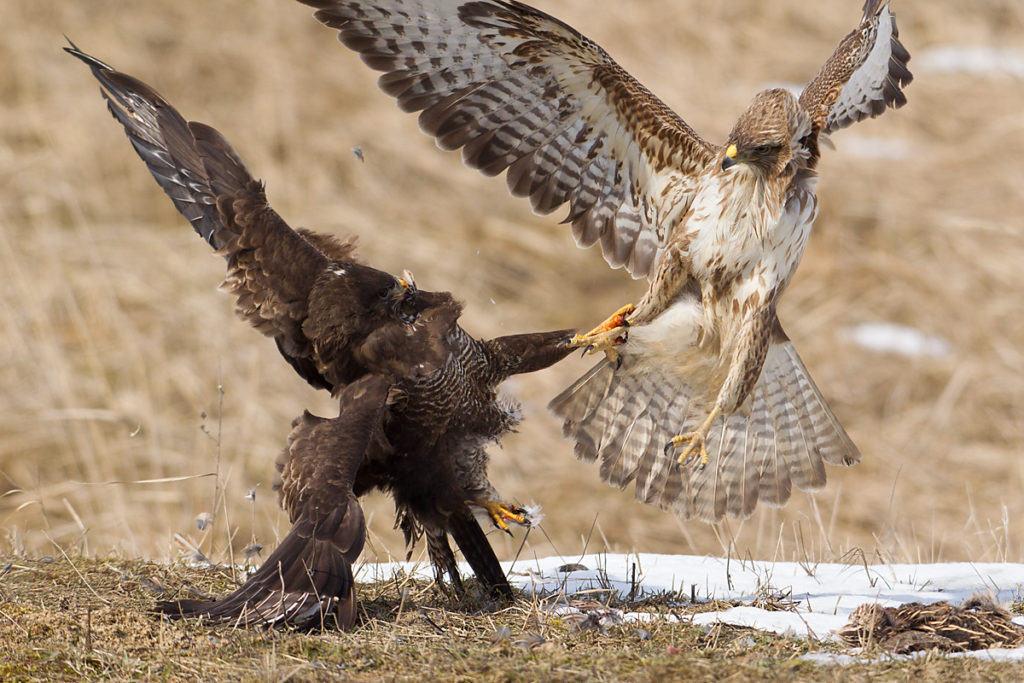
point(114, 341)
point(72, 620)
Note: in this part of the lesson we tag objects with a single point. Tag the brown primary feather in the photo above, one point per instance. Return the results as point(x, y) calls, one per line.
point(519, 91)
point(719, 230)
point(417, 394)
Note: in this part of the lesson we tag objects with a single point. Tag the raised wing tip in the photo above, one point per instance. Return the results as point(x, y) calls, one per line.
point(93, 63)
point(872, 8)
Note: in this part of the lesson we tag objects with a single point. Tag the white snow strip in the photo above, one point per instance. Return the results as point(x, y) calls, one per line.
point(825, 594)
point(973, 60)
point(873, 147)
point(898, 339)
point(836, 659)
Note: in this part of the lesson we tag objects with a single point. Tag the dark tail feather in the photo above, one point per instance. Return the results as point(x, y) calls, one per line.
point(472, 541)
point(305, 581)
point(192, 162)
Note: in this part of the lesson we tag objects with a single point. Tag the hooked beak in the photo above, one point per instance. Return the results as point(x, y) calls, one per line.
point(405, 286)
point(731, 158)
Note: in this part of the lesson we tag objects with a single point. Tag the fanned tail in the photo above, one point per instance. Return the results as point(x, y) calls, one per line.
point(779, 438)
point(306, 581)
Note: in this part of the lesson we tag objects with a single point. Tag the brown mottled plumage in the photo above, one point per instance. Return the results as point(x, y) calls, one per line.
point(978, 624)
point(719, 230)
point(417, 394)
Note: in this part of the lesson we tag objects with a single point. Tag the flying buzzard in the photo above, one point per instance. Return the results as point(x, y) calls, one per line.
point(718, 230)
point(416, 392)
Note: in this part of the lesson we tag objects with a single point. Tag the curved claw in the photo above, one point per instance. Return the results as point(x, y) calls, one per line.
point(694, 441)
point(604, 335)
point(499, 512)
point(695, 449)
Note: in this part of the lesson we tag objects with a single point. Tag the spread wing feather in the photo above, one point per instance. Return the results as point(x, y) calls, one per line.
point(271, 268)
point(864, 75)
point(520, 91)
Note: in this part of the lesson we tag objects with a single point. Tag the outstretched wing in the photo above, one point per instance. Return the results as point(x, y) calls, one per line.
point(271, 269)
point(168, 145)
point(309, 575)
point(863, 76)
point(518, 90)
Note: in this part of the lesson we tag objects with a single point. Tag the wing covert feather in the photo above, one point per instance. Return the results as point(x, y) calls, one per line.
point(520, 91)
point(864, 75)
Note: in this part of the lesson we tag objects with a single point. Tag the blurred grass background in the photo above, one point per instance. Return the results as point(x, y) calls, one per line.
point(113, 339)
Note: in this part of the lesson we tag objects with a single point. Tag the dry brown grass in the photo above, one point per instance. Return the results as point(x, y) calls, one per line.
point(88, 619)
point(114, 340)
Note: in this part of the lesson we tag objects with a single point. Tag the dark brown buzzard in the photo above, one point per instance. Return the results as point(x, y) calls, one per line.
point(417, 393)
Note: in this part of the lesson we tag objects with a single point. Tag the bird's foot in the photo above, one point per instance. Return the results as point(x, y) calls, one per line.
point(694, 442)
point(501, 512)
point(606, 336)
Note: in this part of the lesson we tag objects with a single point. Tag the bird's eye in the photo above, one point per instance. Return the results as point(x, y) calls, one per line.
point(763, 150)
point(384, 293)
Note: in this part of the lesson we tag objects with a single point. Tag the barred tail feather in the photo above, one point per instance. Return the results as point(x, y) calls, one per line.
point(780, 438)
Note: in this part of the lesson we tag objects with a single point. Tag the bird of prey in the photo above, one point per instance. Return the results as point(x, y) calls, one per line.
point(701, 363)
point(417, 394)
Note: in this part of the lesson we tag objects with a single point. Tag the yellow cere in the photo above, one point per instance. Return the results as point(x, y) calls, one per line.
point(731, 152)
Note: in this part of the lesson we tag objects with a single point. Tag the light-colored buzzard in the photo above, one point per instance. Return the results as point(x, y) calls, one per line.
point(718, 230)
point(417, 394)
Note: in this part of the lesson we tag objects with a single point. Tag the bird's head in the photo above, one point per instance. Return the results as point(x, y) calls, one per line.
point(402, 297)
point(767, 134)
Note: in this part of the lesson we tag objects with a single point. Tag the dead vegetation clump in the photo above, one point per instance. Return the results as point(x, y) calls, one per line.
point(978, 624)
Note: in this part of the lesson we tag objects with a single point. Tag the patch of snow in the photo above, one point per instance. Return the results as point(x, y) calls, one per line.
point(974, 60)
point(898, 339)
point(823, 595)
point(872, 147)
point(837, 659)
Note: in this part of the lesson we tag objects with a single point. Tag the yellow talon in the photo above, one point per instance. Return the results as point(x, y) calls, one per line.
point(614, 321)
point(499, 512)
point(605, 336)
point(694, 441)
